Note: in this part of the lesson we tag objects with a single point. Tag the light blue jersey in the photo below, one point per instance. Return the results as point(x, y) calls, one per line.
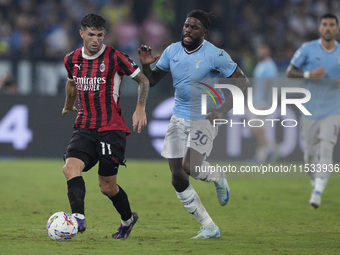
point(207, 61)
point(325, 95)
point(264, 72)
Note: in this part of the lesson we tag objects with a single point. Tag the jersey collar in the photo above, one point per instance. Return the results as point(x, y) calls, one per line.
point(93, 56)
point(189, 52)
point(329, 51)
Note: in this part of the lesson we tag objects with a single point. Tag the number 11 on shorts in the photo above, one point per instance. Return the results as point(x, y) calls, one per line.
point(104, 146)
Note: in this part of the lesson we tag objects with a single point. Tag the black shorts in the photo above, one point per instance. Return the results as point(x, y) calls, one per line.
point(92, 146)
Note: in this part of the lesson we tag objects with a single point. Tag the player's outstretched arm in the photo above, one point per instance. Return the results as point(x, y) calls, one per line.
point(240, 81)
point(71, 98)
point(139, 120)
point(145, 56)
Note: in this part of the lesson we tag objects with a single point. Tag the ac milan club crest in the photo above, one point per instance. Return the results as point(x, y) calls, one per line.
point(102, 67)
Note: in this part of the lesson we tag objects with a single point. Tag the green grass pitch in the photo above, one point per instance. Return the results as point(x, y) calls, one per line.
point(264, 215)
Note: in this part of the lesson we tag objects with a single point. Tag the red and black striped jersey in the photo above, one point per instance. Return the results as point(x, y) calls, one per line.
point(98, 79)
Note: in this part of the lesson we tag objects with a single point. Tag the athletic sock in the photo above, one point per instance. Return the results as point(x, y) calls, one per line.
point(76, 194)
point(121, 203)
point(79, 215)
point(208, 173)
point(192, 203)
point(320, 184)
point(310, 157)
point(127, 222)
point(325, 163)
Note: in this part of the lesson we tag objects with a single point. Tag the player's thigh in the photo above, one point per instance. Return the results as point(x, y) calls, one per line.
point(176, 138)
point(329, 129)
point(111, 152)
point(82, 146)
point(201, 136)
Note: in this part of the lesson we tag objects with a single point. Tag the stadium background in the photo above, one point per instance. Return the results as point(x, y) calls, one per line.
point(36, 35)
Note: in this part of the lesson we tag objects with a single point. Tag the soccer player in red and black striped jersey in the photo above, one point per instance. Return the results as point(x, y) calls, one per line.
point(95, 73)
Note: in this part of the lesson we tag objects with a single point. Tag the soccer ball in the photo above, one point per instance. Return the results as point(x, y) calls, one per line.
point(62, 226)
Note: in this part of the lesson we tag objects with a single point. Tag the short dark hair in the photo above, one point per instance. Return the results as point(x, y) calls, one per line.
point(93, 20)
point(329, 16)
point(201, 16)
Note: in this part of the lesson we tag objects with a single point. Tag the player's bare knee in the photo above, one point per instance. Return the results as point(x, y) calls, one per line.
point(71, 171)
point(179, 180)
point(66, 171)
point(108, 190)
point(104, 189)
point(175, 183)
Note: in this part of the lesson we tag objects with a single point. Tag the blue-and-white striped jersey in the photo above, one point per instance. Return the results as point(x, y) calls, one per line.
point(206, 62)
point(325, 95)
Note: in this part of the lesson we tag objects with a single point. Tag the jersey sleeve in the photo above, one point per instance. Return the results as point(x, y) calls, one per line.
point(164, 61)
point(300, 56)
point(224, 64)
point(126, 65)
point(67, 64)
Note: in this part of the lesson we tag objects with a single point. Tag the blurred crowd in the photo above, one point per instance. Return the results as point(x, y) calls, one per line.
point(40, 29)
point(283, 25)
point(49, 29)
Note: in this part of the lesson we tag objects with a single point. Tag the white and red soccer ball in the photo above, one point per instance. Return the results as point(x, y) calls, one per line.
point(62, 226)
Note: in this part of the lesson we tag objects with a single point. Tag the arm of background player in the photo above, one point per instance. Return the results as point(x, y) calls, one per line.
point(139, 116)
point(294, 72)
point(146, 58)
point(71, 97)
point(242, 82)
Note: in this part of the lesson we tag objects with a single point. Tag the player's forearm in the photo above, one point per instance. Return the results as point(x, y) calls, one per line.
point(242, 82)
point(227, 106)
point(293, 72)
point(154, 75)
point(70, 102)
point(147, 71)
point(71, 95)
point(143, 92)
point(143, 89)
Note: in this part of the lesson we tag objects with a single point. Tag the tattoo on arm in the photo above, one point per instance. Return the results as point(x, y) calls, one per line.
point(143, 90)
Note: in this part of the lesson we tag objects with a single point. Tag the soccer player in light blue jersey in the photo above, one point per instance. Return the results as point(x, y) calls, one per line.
point(190, 135)
point(264, 73)
point(318, 61)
